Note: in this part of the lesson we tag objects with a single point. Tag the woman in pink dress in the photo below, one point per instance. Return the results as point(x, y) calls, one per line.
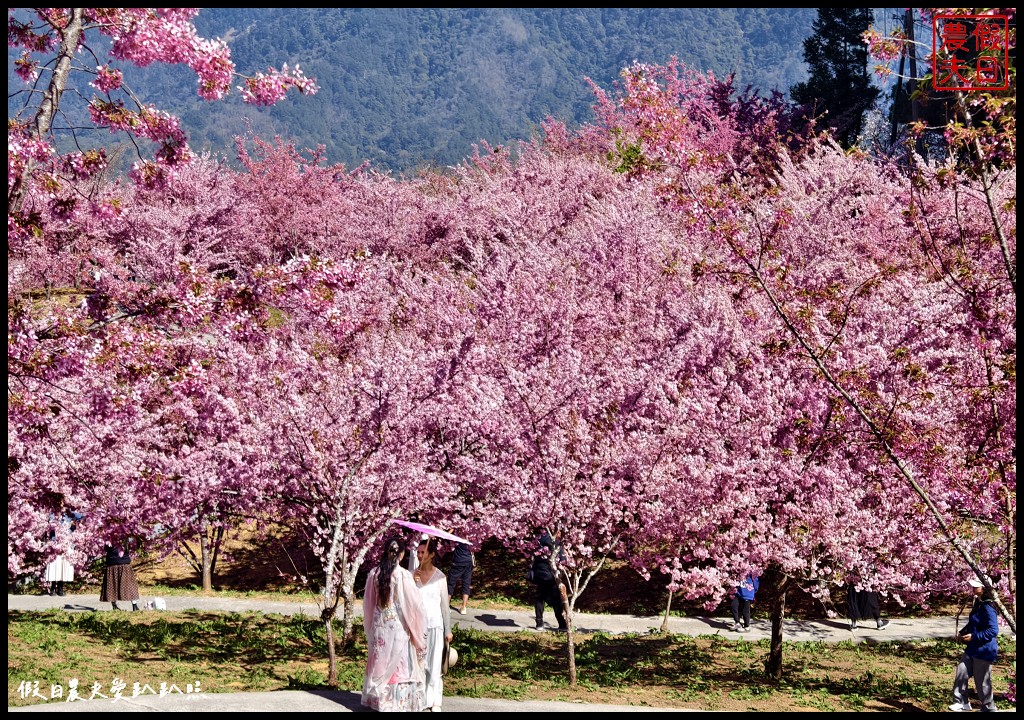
point(396, 632)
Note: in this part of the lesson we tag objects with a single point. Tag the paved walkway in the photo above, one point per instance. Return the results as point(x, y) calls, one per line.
point(485, 620)
point(515, 620)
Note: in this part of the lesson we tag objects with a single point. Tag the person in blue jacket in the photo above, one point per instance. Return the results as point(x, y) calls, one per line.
point(741, 601)
point(980, 634)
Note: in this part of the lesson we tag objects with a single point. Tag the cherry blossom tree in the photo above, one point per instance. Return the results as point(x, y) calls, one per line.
point(830, 299)
point(981, 137)
point(117, 411)
point(109, 322)
point(672, 131)
point(568, 266)
point(344, 401)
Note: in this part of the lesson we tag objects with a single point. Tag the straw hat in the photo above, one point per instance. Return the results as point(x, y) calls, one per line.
point(449, 658)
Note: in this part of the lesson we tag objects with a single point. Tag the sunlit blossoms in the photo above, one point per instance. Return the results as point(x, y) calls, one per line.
point(693, 336)
point(268, 88)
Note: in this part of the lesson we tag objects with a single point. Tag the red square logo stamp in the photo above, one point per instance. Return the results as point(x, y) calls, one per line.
point(970, 52)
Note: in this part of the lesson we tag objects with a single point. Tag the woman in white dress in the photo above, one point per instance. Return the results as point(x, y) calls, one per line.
point(59, 570)
point(395, 628)
point(433, 585)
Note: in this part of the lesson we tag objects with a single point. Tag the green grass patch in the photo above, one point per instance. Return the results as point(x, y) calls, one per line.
point(231, 652)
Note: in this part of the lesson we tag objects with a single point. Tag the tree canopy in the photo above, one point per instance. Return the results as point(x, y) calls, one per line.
point(695, 335)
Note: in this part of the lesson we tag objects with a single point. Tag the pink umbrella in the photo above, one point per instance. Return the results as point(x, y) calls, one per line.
point(431, 530)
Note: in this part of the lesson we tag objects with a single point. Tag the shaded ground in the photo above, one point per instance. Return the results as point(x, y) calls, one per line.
point(238, 652)
point(265, 564)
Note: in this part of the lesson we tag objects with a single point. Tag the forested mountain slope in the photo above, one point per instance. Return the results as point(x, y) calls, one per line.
point(411, 88)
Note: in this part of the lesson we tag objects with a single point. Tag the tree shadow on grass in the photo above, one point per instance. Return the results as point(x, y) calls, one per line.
point(603, 660)
point(246, 639)
point(885, 676)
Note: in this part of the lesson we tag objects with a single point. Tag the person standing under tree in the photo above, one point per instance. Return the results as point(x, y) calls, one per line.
point(433, 587)
point(119, 581)
point(741, 601)
point(544, 575)
point(461, 572)
point(980, 634)
point(59, 570)
point(396, 631)
point(863, 605)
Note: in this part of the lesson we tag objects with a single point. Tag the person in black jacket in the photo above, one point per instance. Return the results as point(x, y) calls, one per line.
point(863, 605)
point(546, 579)
point(461, 573)
point(119, 581)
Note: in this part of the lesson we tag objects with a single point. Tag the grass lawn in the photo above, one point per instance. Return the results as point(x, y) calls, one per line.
point(230, 652)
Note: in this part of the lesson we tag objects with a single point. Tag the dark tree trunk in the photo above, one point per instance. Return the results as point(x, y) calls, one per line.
point(206, 556)
point(209, 548)
point(778, 585)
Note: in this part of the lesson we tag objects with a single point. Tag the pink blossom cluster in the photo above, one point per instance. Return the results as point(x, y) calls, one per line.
point(23, 149)
point(140, 36)
point(26, 68)
point(84, 164)
point(164, 129)
point(145, 35)
point(147, 122)
point(21, 35)
point(270, 87)
point(213, 67)
point(885, 48)
point(150, 175)
point(107, 79)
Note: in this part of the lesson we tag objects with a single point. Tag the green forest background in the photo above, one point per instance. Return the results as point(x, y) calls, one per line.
point(413, 89)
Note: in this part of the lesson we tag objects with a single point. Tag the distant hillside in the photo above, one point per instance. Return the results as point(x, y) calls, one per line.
point(410, 88)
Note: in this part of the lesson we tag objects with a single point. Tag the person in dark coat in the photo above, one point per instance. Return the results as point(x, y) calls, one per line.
point(461, 573)
point(863, 605)
point(546, 580)
point(119, 583)
point(980, 633)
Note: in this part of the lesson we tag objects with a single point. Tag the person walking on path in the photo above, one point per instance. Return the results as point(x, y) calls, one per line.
point(433, 586)
point(863, 605)
point(119, 583)
point(741, 601)
point(461, 573)
point(396, 631)
point(547, 581)
point(980, 634)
